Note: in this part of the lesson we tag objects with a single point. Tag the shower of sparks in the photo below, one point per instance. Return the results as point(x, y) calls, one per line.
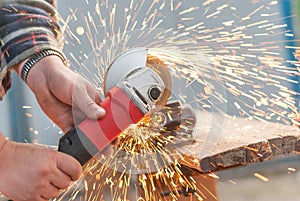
point(261, 177)
point(231, 60)
point(26, 107)
point(232, 182)
point(291, 170)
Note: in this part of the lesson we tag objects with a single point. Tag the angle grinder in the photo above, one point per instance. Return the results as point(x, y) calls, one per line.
point(135, 84)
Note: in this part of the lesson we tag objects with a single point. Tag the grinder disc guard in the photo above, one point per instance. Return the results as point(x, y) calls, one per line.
point(131, 60)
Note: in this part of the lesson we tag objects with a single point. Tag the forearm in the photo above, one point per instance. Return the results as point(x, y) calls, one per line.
point(26, 27)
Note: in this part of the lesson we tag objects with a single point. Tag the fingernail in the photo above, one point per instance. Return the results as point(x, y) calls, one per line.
point(100, 111)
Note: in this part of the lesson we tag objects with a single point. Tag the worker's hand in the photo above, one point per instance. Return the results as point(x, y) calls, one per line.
point(63, 95)
point(31, 172)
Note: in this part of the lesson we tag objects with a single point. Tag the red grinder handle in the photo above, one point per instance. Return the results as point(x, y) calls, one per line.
point(91, 136)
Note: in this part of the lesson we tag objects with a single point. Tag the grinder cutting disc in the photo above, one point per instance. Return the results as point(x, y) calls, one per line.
point(131, 60)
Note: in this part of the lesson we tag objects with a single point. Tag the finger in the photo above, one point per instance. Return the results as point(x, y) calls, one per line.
point(69, 165)
point(97, 99)
point(60, 180)
point(41, 198)
point(94, 94)
point(88, 106)
point(50, 192)
point(87, 98)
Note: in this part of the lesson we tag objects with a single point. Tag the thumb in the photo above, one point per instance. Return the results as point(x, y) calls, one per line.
point(85, 97)
point(69, 165)
point(90, 108)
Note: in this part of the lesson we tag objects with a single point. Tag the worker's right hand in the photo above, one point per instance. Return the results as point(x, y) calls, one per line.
point(33, 173)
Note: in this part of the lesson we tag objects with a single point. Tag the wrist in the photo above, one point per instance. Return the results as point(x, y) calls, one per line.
point(38, 56)
point(40, 74)
point(37, 74)
point(24, 68)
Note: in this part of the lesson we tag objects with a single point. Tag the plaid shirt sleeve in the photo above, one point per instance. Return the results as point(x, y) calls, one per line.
point(26, 27)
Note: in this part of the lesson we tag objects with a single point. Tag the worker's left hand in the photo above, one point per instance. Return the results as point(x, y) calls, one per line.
point(63, 95)
point(34, 173)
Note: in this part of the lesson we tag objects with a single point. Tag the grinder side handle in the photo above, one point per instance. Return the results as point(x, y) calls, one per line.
point(71, 144)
